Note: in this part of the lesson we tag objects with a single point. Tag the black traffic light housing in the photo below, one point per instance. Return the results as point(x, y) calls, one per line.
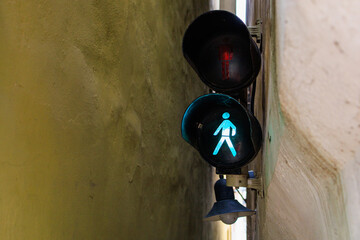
point(206, 125)
point(220, 49)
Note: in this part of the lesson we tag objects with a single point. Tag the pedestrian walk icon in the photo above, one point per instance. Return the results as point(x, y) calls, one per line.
point(227, 129)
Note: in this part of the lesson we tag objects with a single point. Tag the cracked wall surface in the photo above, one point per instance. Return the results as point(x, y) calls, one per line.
point(91, 99)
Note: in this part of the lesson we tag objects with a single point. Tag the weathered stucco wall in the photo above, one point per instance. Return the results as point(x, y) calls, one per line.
point(312, 120)
point(91, 98)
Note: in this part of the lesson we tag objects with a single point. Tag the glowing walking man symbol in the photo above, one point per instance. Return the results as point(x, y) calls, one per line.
point(227, 127)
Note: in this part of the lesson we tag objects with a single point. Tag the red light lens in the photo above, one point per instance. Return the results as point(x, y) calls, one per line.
point(225, 56)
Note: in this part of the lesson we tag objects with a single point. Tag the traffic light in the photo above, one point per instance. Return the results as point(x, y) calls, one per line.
point(225, 133)
point(220, 49)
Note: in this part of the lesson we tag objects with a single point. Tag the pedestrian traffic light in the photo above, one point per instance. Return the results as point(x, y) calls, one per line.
point(220, 49)
point(225, 133)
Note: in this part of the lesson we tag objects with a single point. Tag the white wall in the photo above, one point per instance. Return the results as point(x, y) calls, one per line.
point(312, 131)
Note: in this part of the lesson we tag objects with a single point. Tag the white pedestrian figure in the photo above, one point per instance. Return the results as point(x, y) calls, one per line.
point(227, 128)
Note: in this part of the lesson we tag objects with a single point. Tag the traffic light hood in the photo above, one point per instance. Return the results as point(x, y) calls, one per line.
point(220, 49)
point(222, 130)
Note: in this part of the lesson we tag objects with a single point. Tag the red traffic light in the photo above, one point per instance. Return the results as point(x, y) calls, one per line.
point(220, 49)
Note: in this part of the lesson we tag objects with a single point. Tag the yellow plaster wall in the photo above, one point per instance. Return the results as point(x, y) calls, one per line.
point(91, 98)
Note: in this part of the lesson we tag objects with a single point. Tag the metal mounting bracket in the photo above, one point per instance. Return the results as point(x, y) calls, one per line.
point(255, 31)
point(255, 183)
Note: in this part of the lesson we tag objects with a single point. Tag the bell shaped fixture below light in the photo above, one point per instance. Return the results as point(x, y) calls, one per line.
point(226, 208)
